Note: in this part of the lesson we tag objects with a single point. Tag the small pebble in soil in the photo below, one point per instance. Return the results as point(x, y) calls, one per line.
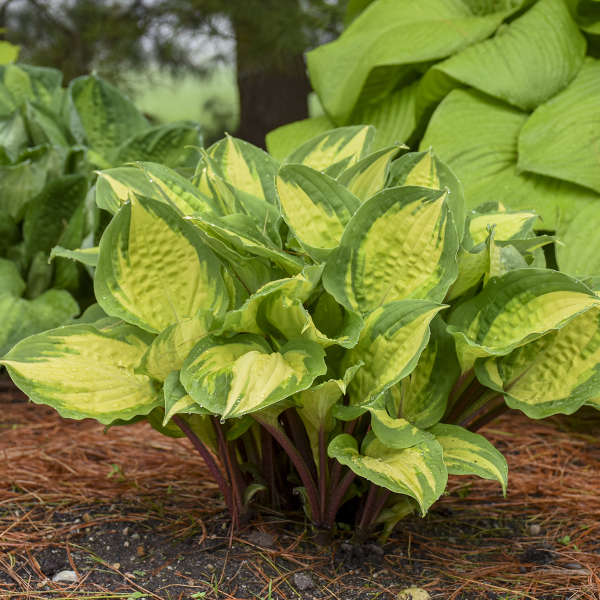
point(125, 530)
point(413, 594)
point(574, 565)
point(535, 529)
point(260, 538)
point(126, 544)
point(65, 577)
point(140, 550)
point(303, 581)
point(135, 536)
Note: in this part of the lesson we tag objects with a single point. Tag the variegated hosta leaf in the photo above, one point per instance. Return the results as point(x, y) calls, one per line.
point(83, 371)
point(468, 453)
point(241, 375)
point(369, 175)
point(335, 150)
point(390, 345)
point(315, 207)
point(245, 167)
point(425, 169)
point(515, 309)
point(177, 400)
point(396, 432)
point(285, 139)
point(116, 186)
point(154, 269)
point(240, 233)
point(400, 243)
point(421, 397)
point(86, 256)
point(170, 348)
point(249, 317)
point(557, 373)
point(473, 264)
point(507, 225)
point(418, 472)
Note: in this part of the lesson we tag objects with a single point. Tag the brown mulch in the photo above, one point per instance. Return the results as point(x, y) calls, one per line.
point(62, 479)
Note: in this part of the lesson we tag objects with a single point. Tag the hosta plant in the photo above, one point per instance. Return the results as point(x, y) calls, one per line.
point(333, 326)
point(51, 140)
point(506, 91)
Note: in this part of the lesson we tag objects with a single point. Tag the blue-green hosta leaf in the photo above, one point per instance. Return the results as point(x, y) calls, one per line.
point(393, 37)
point(566, 125)
point(20, 317)
point(579, 253)
point(240, 233)
point(245, 167)
point(393, 116)
point(242, 375)
point(418, 472)
point(557, 373)
point(45, 126)
point(11, 282)
point(334, 150)
point(468, 453)
point(172, 145)
point(400, 243)
point(285, 139)
point(83, 371)
point(102, 118)
point(477, 137)
point(515, 309)
point(177, 400)
point(154, 270)
point(525, 64)
point(22, 83)
point(427, 170)
point(171, 347)
point(315, 207)
point(48, 212)
point(86, 256)
point(369, 175)
point(421, 397)
point(390, 345)
point(150, 180)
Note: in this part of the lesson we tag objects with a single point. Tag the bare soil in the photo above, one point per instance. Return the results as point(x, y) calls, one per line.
point(135, 515)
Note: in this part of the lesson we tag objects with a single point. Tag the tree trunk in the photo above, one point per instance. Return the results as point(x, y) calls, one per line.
point(273, 89)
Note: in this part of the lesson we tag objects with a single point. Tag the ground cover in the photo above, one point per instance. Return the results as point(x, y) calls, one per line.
point(136, 515)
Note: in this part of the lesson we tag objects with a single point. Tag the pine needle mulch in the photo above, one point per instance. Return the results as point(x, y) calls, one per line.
point(542, 541)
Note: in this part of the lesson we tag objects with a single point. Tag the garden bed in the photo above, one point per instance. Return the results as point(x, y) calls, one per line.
point(135, 514)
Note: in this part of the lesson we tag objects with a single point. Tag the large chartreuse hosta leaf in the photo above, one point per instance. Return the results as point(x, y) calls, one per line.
point(390, 345)
point(557, 373)
point(525, 64)
point(85, 371)
point(400, 243)
point(418, 471)
point(478, 137)
point(285, 139)
point(101, 117)
point(579, 252)
point(468, 453)
point(516, 309)
point(382, 45)
point(315, 207)
point(154, 270)
point(241, 375)
point(566, 126)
